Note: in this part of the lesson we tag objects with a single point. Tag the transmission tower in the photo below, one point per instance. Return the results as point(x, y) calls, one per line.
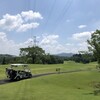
point(35, 41)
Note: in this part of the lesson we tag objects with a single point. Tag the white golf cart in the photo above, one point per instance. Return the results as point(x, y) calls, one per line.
point(18, 72)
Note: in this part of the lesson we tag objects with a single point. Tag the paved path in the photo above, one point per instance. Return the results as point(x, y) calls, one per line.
point(5, 81)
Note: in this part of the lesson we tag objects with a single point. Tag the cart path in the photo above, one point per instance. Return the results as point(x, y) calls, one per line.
point(5, 81)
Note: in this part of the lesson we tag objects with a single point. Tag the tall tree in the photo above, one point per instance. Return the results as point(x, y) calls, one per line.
point(35, 53)
point(4, 61)
point(94, 45)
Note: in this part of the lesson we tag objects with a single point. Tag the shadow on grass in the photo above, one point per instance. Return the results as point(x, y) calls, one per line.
point(91, 93)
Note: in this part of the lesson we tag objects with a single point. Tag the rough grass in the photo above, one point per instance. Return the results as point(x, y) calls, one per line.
point(69, 86)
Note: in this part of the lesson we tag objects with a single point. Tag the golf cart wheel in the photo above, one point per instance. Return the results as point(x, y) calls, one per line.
point(17, 78)
point(30, 75)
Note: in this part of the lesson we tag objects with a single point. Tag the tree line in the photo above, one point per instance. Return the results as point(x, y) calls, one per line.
point(31, 55)
point(39, 57)
point(81, 58)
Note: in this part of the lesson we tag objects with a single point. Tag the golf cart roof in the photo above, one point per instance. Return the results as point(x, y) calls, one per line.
point(16, 65)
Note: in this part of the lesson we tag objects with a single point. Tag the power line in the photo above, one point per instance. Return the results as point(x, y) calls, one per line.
point(50, 13)
point(33, 42)
point(34, 9)
point(63, 10)
point(62, 14)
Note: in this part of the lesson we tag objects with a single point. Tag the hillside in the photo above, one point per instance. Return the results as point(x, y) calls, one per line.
point(65, 54)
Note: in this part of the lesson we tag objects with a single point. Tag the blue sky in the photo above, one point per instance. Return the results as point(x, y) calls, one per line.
point(59, 25)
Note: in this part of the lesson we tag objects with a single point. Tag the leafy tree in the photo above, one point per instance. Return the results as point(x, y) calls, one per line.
point(94, 45)
point(29, 60)
point(83, 57)
point(46, 59)
point(35, 54)
point(77, 58)
point(4, 61)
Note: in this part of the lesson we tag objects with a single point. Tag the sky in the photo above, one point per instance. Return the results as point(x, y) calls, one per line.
point(58, 26)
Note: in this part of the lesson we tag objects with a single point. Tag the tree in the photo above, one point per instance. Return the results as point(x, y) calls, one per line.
point(4, 61)
point(94, 45)
point(35, 54)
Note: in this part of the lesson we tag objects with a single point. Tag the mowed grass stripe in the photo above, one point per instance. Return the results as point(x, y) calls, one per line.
point(71, 86)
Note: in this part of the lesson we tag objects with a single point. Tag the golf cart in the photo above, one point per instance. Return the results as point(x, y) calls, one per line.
point(18, 72)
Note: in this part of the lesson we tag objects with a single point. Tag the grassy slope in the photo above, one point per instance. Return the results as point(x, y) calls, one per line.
point(71, 86)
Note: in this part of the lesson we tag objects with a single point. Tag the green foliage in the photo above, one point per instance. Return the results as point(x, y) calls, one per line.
point(3, 61)
point(37, 55)
point(6, 59)
point(29, 60)
point(96, 86)
point(83, 58)
point(94, 45)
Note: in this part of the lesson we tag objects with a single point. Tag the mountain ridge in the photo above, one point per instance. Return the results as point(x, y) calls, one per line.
point(64, 54)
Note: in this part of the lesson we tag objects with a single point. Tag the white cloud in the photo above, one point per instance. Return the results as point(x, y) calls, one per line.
point(9, 46)
point(2, 36)
point(18, 22)
point(30, 15)
point(50, 43)
point(77, 46)
point(69, 44)
point(25, 27)
point(49, 39)
point(82, 26)
point(11, 22)
point(5, 44)
point(79, 42)
point(82, 36)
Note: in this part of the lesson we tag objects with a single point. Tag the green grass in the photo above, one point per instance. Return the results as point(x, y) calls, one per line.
point(40, 68)
point(69, 86)
point(36, 68)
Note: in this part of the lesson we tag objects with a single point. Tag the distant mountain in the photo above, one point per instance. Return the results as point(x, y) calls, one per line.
point(65, 54)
